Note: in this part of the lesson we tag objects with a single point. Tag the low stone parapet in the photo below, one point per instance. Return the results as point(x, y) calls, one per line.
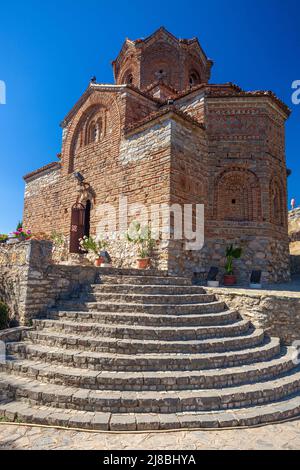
point(30, 283)
point(12, 334)
point(276, 312)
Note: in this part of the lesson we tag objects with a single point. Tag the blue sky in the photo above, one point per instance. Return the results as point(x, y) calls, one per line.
point(49, 49)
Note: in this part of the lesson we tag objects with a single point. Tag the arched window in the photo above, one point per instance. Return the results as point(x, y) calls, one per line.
point(91, 129)
point(94, 131)
point(127, 78)
point(194, 78)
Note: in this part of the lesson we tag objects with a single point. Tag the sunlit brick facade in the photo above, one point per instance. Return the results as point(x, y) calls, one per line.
point(163, 134)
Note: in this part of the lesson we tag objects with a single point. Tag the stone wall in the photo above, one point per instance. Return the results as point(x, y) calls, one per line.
point(294, 234)
point(14, 268)
point(30, 283)
point(278, 313)
point(269, 256)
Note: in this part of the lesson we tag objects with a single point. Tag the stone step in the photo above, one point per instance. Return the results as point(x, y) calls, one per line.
point(112, 401)
point(141, 298)
point(210, 319)
point(145, 280)
point(18, 411)
point(158, 309)
point(162, 299)
point(124, 331)
point(251, 338)
point(22, 412)
point(146, 289)
point(147, 381)
point(145, 362)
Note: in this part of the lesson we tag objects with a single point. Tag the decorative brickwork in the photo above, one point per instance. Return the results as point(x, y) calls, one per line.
point(215, 145)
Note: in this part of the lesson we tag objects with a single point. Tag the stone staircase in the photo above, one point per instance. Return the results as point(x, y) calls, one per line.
point(147, 352)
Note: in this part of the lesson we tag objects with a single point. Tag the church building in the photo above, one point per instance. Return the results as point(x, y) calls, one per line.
point(164, 134)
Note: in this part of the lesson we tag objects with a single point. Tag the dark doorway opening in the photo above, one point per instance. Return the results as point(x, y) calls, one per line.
point(87, 219)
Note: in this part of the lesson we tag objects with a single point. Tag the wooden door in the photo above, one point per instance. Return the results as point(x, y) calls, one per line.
point(77, 227)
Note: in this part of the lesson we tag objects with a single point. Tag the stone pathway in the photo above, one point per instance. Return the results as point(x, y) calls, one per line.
point(281, 436)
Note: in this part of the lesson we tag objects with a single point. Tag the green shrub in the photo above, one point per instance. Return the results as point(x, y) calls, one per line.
point(4, 319)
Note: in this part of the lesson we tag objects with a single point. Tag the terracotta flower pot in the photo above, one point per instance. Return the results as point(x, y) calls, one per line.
point(229, 280)
point(143, 263)
point(99, 261)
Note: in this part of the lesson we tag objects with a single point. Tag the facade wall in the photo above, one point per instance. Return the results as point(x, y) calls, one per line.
point(133, 166)
point(229, 168)
point(245, 168)
point(246, 187)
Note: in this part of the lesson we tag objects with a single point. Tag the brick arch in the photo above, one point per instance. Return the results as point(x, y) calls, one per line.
point(194, 77)
point(237, 196)
point(129, 66)
point(104, 106)
point(127, 77)
point(277, 201)
point(89, 130)
point(193, 66)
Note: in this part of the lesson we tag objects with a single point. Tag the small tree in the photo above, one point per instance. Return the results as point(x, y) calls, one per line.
point(94, 246)
point(231, 254)
point(141, 236)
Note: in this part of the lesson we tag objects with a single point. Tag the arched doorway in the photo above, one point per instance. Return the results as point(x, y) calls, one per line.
point(78, 226)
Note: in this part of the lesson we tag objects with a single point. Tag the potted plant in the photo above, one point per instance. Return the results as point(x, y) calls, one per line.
point(141, 236)
point(95, 249)
point(231, 254)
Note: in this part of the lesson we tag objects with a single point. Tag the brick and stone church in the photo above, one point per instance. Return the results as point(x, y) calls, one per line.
point(163, 134)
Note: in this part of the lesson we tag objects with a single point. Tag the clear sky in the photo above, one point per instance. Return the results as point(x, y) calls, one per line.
point(49, 50)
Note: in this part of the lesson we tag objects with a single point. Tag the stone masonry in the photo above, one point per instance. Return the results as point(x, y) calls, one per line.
point(162, 134)
point(294, 234)
point(30, 282)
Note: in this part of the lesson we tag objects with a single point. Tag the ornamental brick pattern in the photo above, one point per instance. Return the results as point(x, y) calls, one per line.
point(163, 135)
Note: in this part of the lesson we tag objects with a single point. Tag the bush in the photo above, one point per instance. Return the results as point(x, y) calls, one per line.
point(3, 238)
point(4, 319)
